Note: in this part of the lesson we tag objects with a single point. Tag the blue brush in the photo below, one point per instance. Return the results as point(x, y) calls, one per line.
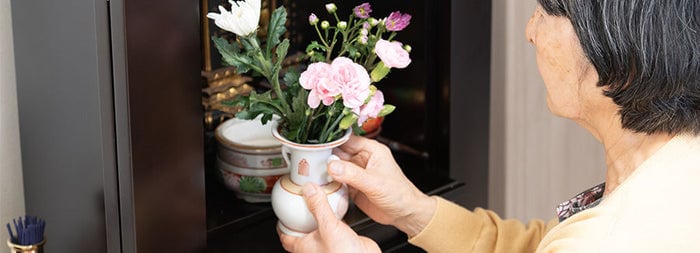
point(29, 231)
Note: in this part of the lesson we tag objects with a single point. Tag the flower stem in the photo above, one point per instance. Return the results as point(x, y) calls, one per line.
point(332, 133)
point(271, 74)
point(393, 34)
point(325, 126)
point(323, 39)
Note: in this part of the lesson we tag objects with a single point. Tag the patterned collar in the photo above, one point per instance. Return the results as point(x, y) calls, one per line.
point(585, 200)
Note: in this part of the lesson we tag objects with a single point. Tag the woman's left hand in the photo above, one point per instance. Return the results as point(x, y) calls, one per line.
point(332, 234)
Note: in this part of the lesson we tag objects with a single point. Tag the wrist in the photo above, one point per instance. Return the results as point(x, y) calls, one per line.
point(420, 214)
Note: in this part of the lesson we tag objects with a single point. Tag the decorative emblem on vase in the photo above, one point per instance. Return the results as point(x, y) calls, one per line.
point(303, 168)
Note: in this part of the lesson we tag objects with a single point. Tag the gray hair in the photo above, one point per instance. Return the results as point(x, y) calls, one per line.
point(647, 54)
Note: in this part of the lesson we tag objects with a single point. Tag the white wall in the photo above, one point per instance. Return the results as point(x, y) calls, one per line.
point(11, 186)
point(536, 159)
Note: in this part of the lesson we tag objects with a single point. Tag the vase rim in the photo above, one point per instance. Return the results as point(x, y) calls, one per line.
point(26, 247)
point(285, 141)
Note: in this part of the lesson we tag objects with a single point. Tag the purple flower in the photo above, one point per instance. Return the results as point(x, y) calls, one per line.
point(397, 21)
point(362, 10)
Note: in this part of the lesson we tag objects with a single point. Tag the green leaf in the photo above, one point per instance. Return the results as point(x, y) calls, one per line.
point(317, 57)
point(282, 52)
point(386, 110)
point(299, 107)
point(231, 54)
point(266, 118)
point(224, 47)
point(245, 114)
point(256, 104)
point(348, 121)
point(291, 78)
point(276, 28)
point(315, 46)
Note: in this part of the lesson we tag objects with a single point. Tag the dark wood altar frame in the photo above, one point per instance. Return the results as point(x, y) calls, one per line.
point(111, 123)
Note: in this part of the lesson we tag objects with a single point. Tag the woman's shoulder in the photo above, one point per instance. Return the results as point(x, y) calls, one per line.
point(654, 210)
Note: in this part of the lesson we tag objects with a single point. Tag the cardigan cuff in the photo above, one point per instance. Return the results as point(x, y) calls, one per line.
point(451, 228)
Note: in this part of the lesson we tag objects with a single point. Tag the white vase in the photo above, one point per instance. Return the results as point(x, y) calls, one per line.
point(307, 163)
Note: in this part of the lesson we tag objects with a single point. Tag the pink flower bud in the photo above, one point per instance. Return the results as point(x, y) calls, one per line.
point(313, 20)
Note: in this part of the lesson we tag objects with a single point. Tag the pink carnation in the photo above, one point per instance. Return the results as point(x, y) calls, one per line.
point(371, 109)
point(317, 78)
point(353, 81)
point(392, 54)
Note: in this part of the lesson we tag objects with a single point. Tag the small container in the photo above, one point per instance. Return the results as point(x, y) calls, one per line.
point(248, 144)
point(34, 248)
point(249, 158)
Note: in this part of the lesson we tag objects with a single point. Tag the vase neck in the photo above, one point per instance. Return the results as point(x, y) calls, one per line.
point(308, 164)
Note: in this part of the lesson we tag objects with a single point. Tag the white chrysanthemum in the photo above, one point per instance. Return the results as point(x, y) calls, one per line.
point(242, 19)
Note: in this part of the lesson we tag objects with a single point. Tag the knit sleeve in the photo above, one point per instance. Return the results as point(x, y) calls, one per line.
point(455, 229)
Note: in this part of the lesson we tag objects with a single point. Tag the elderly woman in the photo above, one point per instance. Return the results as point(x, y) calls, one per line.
point(628, 72)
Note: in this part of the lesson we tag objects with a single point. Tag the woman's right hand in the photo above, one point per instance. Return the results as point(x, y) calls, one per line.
point(379, 187)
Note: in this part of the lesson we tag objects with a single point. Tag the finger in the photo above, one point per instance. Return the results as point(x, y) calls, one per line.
point(353, 175)
point(287, 241)
point(357, 144)
point(360, 159)
point(341, 154)
point(318, 205)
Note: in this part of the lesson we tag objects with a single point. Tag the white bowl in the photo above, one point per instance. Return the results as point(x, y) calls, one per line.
point(248, 144)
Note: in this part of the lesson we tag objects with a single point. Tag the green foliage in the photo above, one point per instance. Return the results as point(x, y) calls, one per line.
point(298, 118)
point(298, 122)
point(259, 104)
point(231, 54)
point(281, 53)
point(315, 56)
point(291, 78)
point(276, 29)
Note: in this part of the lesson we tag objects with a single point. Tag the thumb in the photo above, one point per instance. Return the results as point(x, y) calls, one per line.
point(317, 203)
point(352, 175)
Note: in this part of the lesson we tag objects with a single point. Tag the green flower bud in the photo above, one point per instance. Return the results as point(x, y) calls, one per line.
point(331, 8)
point(342, 25)
point(373, 22)
point(407, 48)
point(325, 25)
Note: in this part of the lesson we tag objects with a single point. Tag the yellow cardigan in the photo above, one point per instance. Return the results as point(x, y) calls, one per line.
point(454, 229)
point(654, 210)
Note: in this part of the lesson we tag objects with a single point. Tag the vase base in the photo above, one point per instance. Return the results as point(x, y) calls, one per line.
point(289, 231)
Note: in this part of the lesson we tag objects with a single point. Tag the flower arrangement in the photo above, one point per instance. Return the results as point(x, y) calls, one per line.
point(336, 90)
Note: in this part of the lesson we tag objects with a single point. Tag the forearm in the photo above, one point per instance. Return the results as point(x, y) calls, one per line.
point(455, 229)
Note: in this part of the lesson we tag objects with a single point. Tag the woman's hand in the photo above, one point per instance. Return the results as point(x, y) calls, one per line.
point(332, 234)
point(379, 187)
